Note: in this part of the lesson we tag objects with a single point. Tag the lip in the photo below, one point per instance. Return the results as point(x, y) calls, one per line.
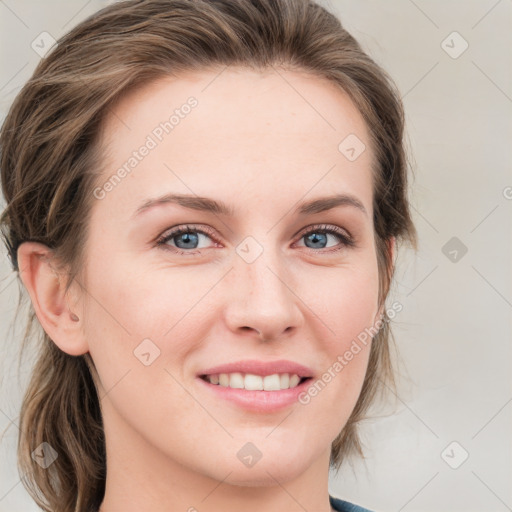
point(261, 368)
point(257, 401)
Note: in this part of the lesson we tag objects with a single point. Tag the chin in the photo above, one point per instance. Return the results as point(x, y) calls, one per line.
point(263, 473)
point(260, 479)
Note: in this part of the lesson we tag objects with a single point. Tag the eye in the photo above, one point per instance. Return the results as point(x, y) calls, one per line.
point(318, 236)
point(185, 237)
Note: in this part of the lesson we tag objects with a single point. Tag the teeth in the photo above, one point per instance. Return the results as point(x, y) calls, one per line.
point(272, 382)
point(236, 380)
point(251, 382)
point(294, 380)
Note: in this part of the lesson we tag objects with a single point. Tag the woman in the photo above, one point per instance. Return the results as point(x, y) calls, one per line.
point(204, 200)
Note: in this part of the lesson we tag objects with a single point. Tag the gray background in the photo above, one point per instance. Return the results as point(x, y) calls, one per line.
point(454, 331)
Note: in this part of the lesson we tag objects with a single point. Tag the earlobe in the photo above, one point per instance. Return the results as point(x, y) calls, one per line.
point(46, 287)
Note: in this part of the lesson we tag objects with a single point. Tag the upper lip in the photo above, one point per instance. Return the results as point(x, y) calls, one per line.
point(261, 368)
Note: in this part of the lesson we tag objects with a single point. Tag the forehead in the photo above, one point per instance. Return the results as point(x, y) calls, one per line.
point(222, 131)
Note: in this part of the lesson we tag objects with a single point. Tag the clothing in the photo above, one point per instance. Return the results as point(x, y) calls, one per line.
point(345, 506)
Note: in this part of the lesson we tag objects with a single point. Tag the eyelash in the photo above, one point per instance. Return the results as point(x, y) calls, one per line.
point(346, 241)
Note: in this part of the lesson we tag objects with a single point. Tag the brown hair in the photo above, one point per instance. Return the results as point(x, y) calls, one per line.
point(50, 156)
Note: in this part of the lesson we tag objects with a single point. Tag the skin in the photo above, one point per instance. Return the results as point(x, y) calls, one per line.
point(261, 146)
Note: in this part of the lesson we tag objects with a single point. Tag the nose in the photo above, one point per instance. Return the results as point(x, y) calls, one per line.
point(262, 301)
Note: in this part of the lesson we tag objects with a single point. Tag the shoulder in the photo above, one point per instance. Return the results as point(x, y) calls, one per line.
point(345, 506)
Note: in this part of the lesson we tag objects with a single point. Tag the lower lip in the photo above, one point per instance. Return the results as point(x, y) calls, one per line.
point(258, 401)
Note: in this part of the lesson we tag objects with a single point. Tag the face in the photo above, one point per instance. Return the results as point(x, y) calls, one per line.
point(266, 280)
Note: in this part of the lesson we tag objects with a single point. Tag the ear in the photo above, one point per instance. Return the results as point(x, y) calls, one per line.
point(46, 287)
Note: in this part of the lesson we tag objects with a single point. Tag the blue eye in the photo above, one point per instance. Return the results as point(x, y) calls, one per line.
point(318, 235)
point(186, 238)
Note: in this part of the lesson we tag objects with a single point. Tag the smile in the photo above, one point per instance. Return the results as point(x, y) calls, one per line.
point(251, 382)
point(255, 400)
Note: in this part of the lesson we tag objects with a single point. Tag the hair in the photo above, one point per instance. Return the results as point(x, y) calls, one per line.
point(51, 154)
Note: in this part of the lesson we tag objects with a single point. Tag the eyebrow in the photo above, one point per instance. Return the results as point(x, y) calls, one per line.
point(207, 204)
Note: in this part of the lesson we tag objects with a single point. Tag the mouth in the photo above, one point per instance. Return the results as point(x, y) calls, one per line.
point(256, 385)
point(252, 382)
point(268, 397)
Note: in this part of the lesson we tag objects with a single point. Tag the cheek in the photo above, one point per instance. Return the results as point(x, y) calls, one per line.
point(345, 312)
point(129, 305)
point(140, 328)
point(136, 300)
point(345, 299)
